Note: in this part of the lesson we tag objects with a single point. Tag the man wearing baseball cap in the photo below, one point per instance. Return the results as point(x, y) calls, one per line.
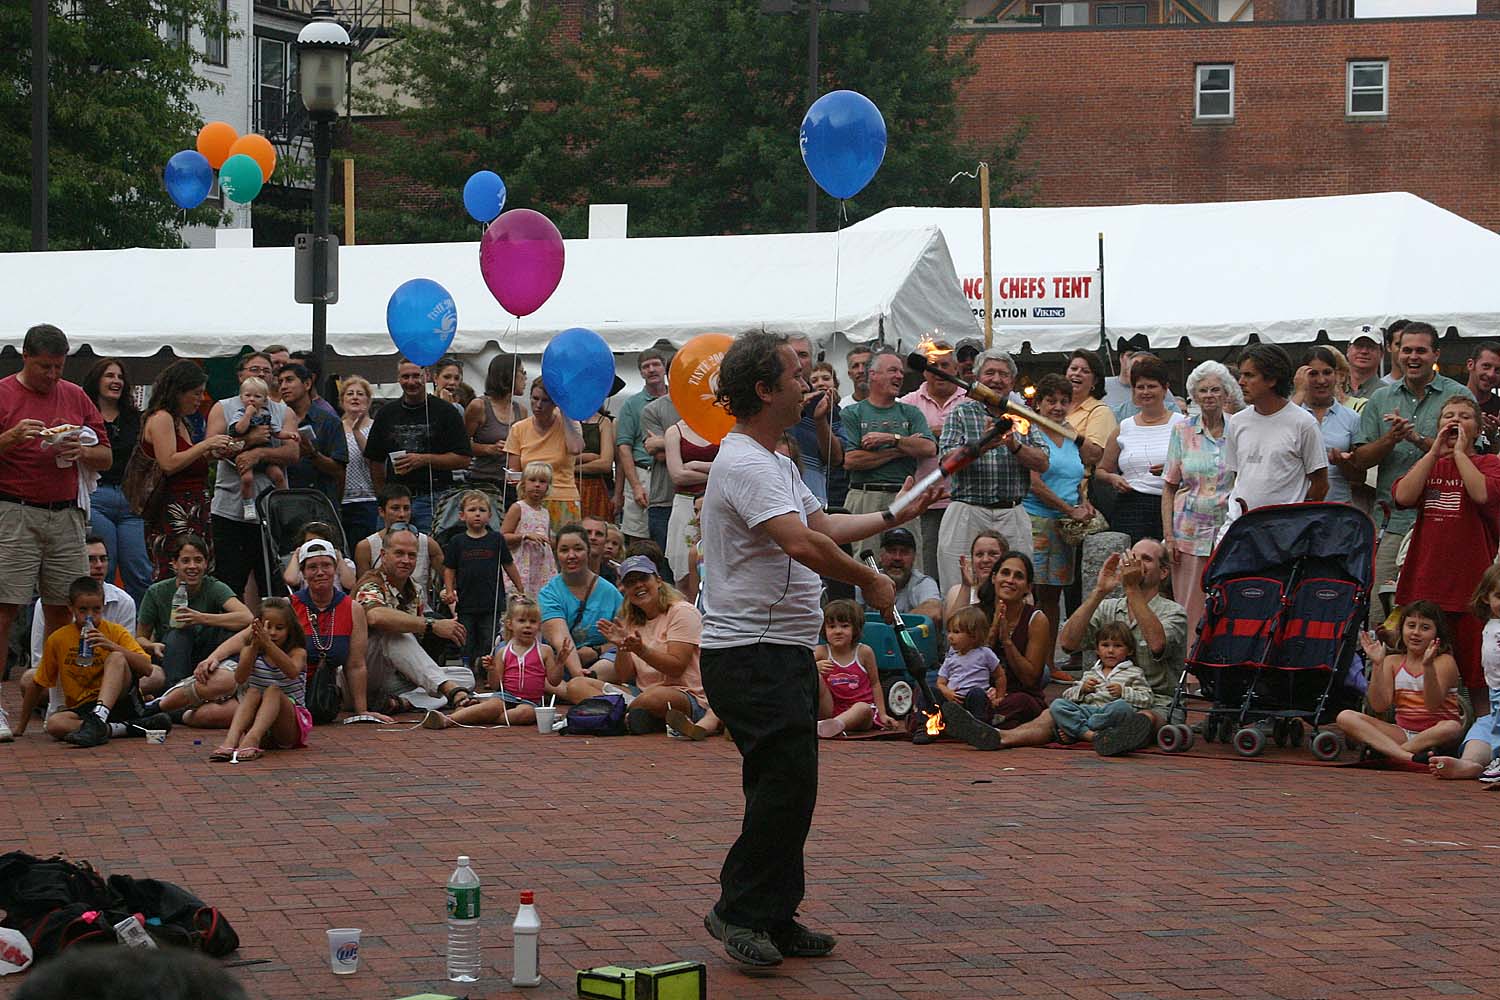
point(1364, 354)
point(916, 592)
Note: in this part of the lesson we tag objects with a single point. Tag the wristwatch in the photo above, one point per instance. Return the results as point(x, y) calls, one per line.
point(427, 629)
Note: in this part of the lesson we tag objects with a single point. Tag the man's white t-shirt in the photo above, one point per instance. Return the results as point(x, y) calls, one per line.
point(1272, 457)
point(760, 594)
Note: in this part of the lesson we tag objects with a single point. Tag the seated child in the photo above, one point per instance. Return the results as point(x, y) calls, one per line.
point(1420, 681)
point(1108, 695)
point(968, 676)
point(273, 663)
point(292, 572)
point(850, 698)
point(97, 699)
point(256, 397)
point(521, 670)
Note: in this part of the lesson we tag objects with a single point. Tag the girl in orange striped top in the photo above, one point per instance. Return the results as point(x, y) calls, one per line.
point(1420, 681)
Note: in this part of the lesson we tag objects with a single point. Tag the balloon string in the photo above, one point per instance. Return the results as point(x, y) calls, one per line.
point(838, 231)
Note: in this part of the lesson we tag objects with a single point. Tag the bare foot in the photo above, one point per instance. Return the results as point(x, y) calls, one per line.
point(1454, 768)
point(436, 720)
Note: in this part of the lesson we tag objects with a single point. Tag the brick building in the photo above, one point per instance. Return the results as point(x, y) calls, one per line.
point(1172, 112)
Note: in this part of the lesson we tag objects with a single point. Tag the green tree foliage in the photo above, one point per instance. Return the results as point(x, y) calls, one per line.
point(688, 111)
point(121, 103)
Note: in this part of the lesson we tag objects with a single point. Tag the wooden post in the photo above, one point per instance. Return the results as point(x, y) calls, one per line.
point(984, 209)
point(349, 202)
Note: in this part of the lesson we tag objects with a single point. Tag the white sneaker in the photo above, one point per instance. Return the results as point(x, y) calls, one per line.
point(6, 736)
point(1491, 775)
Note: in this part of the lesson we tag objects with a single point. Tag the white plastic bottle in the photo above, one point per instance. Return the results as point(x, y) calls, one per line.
point(131, 932)
point(463, 924)
point(179, 601)
point(524, 932)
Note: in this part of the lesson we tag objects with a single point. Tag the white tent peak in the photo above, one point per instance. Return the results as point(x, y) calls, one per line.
point(1215, 273)
point(896, 281)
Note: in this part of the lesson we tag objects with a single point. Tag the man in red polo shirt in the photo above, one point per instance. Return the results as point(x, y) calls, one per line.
point(42, 527)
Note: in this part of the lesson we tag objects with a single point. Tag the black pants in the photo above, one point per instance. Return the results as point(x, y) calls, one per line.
point(186, 648)
point(767, 695)
point(237, 557)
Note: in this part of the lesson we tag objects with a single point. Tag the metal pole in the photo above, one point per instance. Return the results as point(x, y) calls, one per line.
point(39, 11)
point(989, 300)
point(322, 149)
point(812, 95)
point(1103, 337)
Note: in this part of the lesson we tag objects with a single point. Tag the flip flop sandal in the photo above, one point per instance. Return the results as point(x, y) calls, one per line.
point(222, 755)
point(452, 697)
point(248, 754)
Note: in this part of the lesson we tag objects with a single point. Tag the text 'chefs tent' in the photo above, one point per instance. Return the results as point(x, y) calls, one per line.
point(207, 302)
point(1216, 273)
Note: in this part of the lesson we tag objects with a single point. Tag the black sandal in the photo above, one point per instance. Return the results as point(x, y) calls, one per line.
point(452, 697)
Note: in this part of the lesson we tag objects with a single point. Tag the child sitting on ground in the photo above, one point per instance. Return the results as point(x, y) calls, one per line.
point(1478, 758)
point(968, 676)
point(1108, 694)
point(97, 698)
point(522, 670)
point(850, 699)
point(472, 562)
point(256, 397)
point(1419, 680)
point(292, 573)
point(272, 664)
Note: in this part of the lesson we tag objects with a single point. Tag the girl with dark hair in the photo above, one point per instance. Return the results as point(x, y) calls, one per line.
point(167, 439)
point(1419, 681)
point(490, 417)
point(1136, 455)
point(110, 515)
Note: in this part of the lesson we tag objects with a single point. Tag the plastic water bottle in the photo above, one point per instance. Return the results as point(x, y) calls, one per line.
point(524, 932)
point(463, 923)
point(85, 649)
point(131, 932)
point(179, 601)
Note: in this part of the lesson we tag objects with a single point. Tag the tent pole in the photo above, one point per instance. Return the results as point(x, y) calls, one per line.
point(984, 209)
point(349, 202)
point(1103, 337)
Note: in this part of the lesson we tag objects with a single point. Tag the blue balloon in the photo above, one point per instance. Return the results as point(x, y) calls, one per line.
point(188, 178)
point(422, 319)
point(843, 142)
point(578, 370)
point(484, 195)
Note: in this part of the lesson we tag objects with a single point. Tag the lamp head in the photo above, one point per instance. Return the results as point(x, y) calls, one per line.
point(323, 51)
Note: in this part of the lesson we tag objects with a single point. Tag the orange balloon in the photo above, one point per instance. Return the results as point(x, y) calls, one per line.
point(694, 381)
point(259, 149)
point(214, 142)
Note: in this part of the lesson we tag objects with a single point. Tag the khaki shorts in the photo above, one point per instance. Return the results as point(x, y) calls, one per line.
point(43, 550)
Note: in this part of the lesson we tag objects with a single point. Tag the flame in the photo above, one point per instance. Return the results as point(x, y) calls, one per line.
point(1020, 425)
point(935, 724)
point(1029, 392)
point(929, 349)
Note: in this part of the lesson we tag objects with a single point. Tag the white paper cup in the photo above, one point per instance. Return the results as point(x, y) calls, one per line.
point(544, 719)
point(343, 950)
point(157, 736)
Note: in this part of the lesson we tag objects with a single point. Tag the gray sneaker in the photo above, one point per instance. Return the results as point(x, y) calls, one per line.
point(751, 947)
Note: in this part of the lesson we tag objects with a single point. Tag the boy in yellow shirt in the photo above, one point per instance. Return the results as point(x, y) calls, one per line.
point(96, 695)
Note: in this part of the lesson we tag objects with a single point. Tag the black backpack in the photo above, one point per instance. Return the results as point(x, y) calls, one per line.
point(324, 700)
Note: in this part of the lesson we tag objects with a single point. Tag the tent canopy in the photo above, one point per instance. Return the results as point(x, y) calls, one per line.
point(1217, 273)
point(201, 303)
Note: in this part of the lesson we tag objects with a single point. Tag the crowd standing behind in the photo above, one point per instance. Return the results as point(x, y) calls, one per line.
point(545, 552)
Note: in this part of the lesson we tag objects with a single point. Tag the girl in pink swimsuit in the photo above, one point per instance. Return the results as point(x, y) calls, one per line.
point(849, 697)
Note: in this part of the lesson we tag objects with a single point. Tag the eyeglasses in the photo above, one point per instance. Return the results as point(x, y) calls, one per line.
point(399, 526)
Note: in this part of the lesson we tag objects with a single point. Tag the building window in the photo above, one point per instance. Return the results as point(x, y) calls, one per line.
point(275, 82)
point(1062, 15)
point(1120, 13)
point(1215, 92)
point(1367, 86)
point(216, 42)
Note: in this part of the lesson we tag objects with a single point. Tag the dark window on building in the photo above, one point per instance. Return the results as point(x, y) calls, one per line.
point(1120, 13)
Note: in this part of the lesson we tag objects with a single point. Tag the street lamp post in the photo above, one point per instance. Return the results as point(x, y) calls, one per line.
point(323, 51)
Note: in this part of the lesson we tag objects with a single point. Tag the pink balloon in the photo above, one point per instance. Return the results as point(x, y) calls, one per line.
point(521, 258)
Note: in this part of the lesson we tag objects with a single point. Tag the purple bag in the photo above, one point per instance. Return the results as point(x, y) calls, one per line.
point(601, 715)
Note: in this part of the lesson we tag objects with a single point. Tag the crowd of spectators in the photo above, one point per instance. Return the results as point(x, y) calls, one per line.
point(557, 558)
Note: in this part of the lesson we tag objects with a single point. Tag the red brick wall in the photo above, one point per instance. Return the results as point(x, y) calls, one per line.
point(1112, 112)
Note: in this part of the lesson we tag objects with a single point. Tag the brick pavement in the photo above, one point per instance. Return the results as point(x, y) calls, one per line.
point(946, 873)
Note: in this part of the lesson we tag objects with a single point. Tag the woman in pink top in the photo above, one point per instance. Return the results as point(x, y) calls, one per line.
point(656, 639)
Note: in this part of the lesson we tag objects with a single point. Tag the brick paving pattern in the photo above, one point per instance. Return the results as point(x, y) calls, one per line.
point(945, 872)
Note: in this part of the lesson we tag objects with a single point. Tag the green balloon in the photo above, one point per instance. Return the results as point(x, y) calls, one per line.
point(240, 178)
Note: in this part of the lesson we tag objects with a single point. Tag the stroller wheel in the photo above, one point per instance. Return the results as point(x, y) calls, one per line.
point(1250, 741)
point(1210, 729)
point(1278, 732)
point(898, 698)
point(1295, 732)
point(1188, 737)
point(1326, 745)
point(1171, 739)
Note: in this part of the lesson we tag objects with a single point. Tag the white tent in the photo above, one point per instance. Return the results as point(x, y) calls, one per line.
point(1217, 273)
point(632, 291)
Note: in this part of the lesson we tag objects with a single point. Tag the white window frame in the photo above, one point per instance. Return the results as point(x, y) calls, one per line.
point(1199, 71)
point(216, 46)
point(1384, 90)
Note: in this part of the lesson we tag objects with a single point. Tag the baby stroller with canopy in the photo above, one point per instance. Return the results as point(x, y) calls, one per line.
point(1286, 590)
point(283, 515)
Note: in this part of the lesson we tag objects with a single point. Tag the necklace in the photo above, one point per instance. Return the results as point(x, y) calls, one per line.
point(320, 645)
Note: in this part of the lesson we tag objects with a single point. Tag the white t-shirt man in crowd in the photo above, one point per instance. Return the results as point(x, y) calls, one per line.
point(1275, 449)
